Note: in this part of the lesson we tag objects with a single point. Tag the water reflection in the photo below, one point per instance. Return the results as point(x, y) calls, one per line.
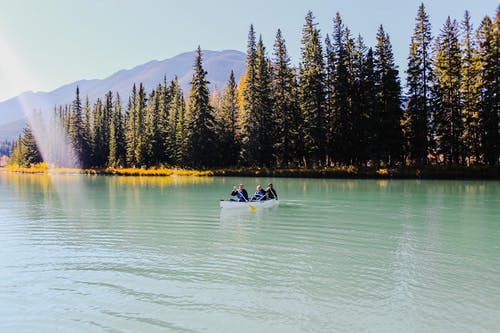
point(155, 253)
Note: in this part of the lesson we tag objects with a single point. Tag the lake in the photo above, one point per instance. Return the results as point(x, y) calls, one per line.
point(130, 254)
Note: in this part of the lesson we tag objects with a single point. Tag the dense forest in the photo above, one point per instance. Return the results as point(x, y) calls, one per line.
point(343, 105)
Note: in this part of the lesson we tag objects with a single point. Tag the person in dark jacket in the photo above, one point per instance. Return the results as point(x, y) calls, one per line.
point(240, 193)
point(260, 194)
point(271, 192)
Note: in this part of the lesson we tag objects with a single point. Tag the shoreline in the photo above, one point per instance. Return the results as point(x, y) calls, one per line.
point(341, 172)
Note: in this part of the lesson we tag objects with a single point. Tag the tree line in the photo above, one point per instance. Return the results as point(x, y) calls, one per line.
point(343, 105)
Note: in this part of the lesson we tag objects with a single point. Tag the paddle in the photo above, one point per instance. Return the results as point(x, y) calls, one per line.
point(252, 207)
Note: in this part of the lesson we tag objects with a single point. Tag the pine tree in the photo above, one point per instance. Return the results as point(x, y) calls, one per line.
point(369, 116)
point(87, 133)
point(227, 125)
point(116, 156)
point(419, 74)
point(27, 153)
point(448, 114)
point(362, 97)
point(149, 131)
point(312, 93)
point(176, 141)
point(17, 156)
point(263, 136)
point(488, 35)
point(248, 112)
point(343, 73)
point(469, 91)
point(135, 124)
point(389, 136)
point(182, 143)
point(199, 117)
point(107, 114)
point(286, 113)
point(100, 143)
point(75, 131)
point(160, 149)
point(338, 107)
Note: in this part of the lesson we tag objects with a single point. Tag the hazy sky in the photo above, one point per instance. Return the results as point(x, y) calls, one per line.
point(45, 44)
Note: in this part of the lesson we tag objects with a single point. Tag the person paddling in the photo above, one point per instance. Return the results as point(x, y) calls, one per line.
point(240, 193)
point(260, 194)
point(271, 192)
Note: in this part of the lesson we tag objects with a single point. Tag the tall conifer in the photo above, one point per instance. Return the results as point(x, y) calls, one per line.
point(248, 111)
point(286, 113)
point(418, 82)
point(227, 125)
point(200, 119)
point(75, 130)
point(312, 93)
point(488, 35)
point(469, 90)
point(448, 113)
point(389, 136)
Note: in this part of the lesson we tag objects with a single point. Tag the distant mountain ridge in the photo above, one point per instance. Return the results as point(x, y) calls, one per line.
point(218, 65)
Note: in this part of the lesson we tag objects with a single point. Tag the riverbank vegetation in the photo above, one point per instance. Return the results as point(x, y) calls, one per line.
point(426, 172)
point(341, 112)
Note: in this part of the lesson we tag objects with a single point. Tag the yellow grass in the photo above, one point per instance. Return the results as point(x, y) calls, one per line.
point(44, 168)
point(383, 172)
point(155, 172)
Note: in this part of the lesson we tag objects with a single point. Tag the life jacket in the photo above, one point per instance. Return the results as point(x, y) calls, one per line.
point(240, 196)
point(259, 195)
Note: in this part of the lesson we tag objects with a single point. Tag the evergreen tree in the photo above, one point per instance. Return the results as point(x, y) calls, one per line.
point(100, 142)
point(469, 90)
point(351, 115)
point(182, 142)
point(176, 141)
point(17, 156)
point(75, 131)
point(27, 152)
point(199, 117)
point(117, 147)
point(418, 82)
point(263, 137)
point(160, 138)
point(330, 114)
point(248, 112)
point(312, 93)
point(488, 35)
point(342, 85)
point(87, 133)
point(362, 100)
point(389, 136)
point(448, 116)
point(135, 124)
point(227, 124)
point(286, 113)
point(105, 122)
point(369, 114)
point(149, 131)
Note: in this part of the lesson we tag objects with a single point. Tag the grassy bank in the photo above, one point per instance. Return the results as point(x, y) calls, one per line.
point(428, 172)
point(43, 168)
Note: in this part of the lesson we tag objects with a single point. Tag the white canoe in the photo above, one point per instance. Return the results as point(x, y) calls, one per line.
point(249, 204)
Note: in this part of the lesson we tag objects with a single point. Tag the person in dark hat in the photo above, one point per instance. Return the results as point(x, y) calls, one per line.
point(271, 192)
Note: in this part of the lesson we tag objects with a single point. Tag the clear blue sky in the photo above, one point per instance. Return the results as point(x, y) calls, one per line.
point(45, 44)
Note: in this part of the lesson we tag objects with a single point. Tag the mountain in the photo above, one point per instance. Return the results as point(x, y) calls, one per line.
point(218, 65)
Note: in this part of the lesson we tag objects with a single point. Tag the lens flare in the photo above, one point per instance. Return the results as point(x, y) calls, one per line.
point(51, 139)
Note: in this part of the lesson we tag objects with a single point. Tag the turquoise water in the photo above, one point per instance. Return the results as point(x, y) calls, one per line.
point(130, 254)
